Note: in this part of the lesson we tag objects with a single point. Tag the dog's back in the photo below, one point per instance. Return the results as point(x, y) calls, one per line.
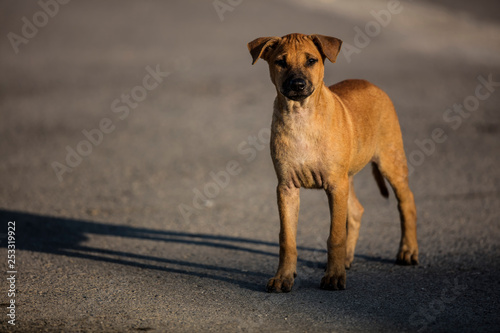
point(374, 119)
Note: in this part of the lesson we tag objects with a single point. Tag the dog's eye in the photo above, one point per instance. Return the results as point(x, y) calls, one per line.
point(281, 63)
point(311, 61)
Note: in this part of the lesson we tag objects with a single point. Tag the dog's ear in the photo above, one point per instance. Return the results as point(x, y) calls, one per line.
point(260, 46)
point(329, 47)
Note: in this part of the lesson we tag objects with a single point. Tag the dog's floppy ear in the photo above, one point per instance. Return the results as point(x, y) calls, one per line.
point(258, 47)
point(328, 46)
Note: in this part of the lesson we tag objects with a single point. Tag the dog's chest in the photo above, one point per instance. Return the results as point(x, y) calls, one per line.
point(302, 148)
point(297, 154)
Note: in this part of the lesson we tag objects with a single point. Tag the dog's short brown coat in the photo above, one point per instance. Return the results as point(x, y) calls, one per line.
point(320, 137)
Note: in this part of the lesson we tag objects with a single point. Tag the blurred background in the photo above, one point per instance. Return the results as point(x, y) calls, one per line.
point(135, 162)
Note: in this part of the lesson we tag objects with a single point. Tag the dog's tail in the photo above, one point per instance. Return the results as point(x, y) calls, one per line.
point(380, 180)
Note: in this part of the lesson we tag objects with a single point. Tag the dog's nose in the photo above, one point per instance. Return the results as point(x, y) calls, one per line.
point(297, 84)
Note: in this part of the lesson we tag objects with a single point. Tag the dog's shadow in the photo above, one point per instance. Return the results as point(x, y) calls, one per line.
point(62, 236)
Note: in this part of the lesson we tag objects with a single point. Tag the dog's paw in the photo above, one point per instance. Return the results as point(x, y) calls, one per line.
point(348, 262)
point(280, 284)
point(333, 281)
point(407, 256)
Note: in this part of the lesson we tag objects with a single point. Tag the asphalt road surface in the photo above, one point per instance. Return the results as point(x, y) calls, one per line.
point(134, 162)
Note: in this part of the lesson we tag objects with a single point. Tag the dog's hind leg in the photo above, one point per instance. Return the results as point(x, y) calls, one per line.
point(354, 214)
point(392, 164)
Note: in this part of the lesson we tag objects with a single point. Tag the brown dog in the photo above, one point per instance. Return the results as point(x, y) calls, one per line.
point(320, 137)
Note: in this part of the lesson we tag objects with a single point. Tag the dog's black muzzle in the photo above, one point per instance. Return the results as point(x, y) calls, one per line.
point(297, 88)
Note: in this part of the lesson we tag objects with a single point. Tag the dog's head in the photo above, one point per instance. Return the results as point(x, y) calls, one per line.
point(295, 61)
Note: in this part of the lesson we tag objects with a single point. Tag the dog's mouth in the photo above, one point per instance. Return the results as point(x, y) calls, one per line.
point(297, 88)
point(297, 96)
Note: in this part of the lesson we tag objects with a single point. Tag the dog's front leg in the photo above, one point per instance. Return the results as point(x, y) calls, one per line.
point(288, 205)
point(335, 276)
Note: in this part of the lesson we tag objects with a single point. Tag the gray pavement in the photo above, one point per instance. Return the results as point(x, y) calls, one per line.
point(134, 162)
